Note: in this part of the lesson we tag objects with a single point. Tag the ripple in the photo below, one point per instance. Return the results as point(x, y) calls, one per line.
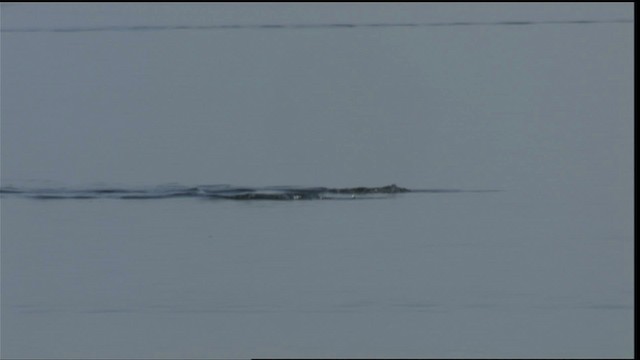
point(132, 28)
point(223, 192)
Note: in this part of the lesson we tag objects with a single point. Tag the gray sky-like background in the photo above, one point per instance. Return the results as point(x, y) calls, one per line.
point(469, 106)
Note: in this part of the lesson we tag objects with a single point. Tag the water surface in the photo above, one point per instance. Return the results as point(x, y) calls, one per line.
point(508, 129)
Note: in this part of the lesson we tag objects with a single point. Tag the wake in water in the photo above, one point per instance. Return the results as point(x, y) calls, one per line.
point(219, 192)
point(309, 26)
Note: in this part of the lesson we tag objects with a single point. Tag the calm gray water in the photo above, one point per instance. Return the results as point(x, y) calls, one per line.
point(105, 103)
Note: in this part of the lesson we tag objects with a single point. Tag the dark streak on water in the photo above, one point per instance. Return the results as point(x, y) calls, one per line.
point(220, 192)
point(306, 26)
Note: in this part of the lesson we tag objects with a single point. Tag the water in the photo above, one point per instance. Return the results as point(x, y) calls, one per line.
point(221, 192)
point(508, 232)
point(444, 274)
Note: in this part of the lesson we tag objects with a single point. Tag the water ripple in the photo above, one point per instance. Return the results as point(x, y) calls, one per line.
point(128, 28)
point(228, 192)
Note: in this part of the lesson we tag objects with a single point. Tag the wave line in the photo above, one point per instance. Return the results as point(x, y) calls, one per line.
point(117, 28)
point(219, 192)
